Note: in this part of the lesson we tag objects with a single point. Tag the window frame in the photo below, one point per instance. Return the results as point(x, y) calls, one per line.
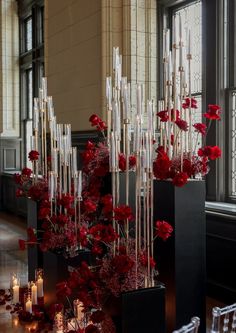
point(32, 59)
point(213, 89)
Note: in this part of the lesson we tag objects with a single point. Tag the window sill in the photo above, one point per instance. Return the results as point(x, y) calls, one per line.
point(220, 209)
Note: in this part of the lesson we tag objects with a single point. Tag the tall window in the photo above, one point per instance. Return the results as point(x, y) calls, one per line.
point(31, 62)
point(214, 79)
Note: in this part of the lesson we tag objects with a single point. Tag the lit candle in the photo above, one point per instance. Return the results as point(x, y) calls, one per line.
point(80, 311)
point(28, 305)
point(16, 293)
point(40, 286)
point(34, 295)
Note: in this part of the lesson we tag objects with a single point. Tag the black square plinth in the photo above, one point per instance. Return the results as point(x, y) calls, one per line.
point(181, 259)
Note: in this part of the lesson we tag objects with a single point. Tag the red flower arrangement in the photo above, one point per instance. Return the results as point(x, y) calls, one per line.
point(180, 169)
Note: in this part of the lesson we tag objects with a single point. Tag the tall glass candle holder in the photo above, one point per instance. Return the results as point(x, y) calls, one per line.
point(39, 281)
point(15, 288)
point(28, 303)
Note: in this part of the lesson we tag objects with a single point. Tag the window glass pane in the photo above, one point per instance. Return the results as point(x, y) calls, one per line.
point(233, 143)
point(30, 93)
point(191, 17)
point(28, 134)
point(28, 34)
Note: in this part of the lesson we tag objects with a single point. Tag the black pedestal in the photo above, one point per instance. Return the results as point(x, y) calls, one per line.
point(144, 310)
point(35, 256)
point(56, 269)
point(181, 259)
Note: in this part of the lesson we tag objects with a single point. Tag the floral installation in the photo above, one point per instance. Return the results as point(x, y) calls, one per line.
point(83, 209)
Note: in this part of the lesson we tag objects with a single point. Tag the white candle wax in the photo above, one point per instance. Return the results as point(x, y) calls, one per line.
point(34, 295)
point(14, 281)
point(40, 286)
point(16, 291)
point(28, 306)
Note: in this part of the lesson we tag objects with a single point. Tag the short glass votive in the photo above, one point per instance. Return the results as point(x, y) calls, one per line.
point(79, 310)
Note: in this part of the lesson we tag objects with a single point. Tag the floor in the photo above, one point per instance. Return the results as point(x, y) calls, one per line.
point(12, 260)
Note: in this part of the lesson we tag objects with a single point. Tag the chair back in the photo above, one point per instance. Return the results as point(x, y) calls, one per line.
point(192, 327)
point(224, 319)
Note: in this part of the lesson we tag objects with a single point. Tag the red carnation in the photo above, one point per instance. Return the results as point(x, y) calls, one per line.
point(180, 179)
point(182, 124)
point(26, 172)
point(123, 213)
point(144, 261)
point(213, 112)
point(163, 115)
point(98, 122)
point(174, 115)
point(161, 166)
point(132, 161)
point(22, 244)
point(122, 263)
point(212, 152)
point(122, 162)
point(33, 155)
point(163, 229)
point(200, 128)
point(89, 206)
point(186, 105)
point(19, 193)
point(90, 145)
point(44, 212)
point(17, 178)
point(107, 204)
point(31, 235)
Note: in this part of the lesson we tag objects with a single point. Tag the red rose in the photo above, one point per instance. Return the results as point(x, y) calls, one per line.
point(200, 128)
point(163, 115)
point(103, 233)
point(213, 112)
point(26, 172)
point(22, 244)
point(180, 179)
point(123, 213)
point(182, 124)
point(163, 229)
point(33, 155)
